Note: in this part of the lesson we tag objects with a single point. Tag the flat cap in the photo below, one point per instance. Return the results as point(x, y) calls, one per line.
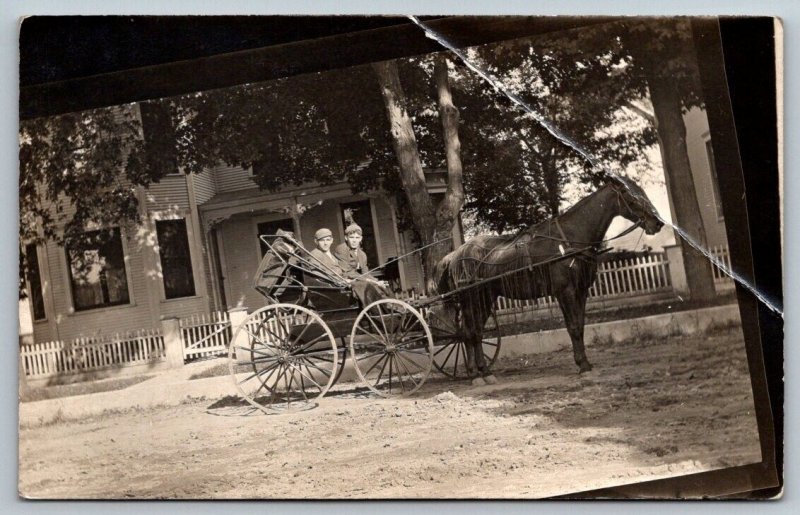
point(321, 233)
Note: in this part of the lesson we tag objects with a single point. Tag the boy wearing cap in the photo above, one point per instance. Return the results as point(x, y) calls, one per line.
point(323, 238)
point(350, 253)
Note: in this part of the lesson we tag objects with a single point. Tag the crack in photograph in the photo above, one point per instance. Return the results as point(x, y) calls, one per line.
point(385, 258)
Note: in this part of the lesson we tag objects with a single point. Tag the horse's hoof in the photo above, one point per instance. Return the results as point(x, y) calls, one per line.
point(490, 379)
point(478, 381)
point(585, 367)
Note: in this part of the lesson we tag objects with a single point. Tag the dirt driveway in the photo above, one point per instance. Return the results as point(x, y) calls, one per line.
point(650, 409)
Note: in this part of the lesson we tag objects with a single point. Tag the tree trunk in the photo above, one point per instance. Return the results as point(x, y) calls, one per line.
point(449, 208)
point(672, 139)
point(433, 223)
point(405, 146)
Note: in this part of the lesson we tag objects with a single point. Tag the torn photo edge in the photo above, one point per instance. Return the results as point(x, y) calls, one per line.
point(752, 159)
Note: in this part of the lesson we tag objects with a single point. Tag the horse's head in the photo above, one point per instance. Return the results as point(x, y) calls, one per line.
point(635, 206)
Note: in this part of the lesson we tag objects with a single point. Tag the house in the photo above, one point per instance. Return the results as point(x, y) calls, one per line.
point(198, 249)
point(199, 246)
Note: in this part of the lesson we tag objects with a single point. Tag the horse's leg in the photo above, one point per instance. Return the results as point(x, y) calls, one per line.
point(467, 330)
point(478, 315)
point(572, 301)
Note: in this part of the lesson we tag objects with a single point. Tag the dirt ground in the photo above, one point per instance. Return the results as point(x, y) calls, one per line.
point(650, 409)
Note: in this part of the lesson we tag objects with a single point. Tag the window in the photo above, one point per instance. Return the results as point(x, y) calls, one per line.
point(97, 274)
point(176, 261)
point(285, 224)
point(714, 180)
point(362, 215)
point(35, 282)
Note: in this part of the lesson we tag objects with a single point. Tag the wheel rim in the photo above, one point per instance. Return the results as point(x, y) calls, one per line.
point(450, 355)
point(391, 347)
point(283, 357)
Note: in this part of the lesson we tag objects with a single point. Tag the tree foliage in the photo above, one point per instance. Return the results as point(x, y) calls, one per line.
point(79, 171)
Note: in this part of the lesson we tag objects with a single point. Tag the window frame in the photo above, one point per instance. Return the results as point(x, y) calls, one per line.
point(160, 259)
point(180, 214)
point(128, 278)
point(40, 269)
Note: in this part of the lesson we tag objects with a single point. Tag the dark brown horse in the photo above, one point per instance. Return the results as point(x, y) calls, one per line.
point(557, 257)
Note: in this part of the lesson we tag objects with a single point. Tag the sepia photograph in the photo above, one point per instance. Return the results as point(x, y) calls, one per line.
point(389, 257)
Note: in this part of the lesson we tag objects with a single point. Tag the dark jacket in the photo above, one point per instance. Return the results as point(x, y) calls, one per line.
point(355, 262)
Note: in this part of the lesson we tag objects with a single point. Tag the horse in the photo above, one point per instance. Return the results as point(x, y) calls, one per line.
point(557, 257)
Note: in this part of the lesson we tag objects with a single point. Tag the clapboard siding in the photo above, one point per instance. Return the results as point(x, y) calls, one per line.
point(169, 194)
point(182, 308)
point(232, 178)
point(204, 187)
point(130, 317)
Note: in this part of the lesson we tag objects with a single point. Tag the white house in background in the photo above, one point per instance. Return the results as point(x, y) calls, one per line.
point(198, 250)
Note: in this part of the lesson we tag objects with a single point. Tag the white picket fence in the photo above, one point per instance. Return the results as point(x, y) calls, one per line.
point(205, 335)
point(722, 253)
point(80, 355)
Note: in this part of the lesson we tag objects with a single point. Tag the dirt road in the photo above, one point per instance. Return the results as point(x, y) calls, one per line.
point(650, 409)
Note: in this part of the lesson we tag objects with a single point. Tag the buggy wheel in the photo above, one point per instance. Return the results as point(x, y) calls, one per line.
point(450, 355)
point(391, 347)
point(283, 357)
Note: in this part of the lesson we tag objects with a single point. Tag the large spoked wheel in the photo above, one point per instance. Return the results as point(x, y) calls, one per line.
point(450, 356)
point(283, 357)
point(391, 347)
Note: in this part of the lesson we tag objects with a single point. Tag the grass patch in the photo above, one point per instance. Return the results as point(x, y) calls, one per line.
point(220, 369)
point(71, 390)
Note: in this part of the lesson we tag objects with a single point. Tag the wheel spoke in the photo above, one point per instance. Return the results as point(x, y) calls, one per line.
point(452, 347)
point(259, 373)
point(309, 344)
point(362, 358)
point(375, 364)
point(282, 375)
point(411, 361)
point(302, 374)
point(401, 324)
point(406, 343)
point(310, 363)
point(410, 375)
point(300, 336)
point(383, 367)
point(377, 330)
point(391, 360)
point(250, 349)
point(302, 383)
point(415, 321)
point(383, 322)
point(289, 387)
